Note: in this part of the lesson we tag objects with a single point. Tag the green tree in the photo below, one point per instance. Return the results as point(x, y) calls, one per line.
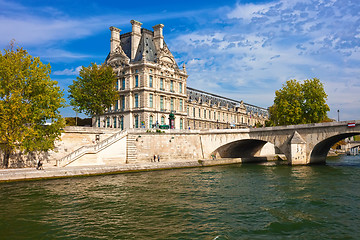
point(28, 99)
point(94, 90)
point(299, 103)
point(314, 106)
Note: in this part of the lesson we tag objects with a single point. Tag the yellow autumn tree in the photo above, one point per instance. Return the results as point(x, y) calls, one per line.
point(29, 99)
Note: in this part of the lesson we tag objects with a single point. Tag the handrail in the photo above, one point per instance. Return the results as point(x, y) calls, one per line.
point(90, 148)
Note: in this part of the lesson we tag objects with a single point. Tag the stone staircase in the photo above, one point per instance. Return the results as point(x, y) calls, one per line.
point(131, 153)
point(92, 149)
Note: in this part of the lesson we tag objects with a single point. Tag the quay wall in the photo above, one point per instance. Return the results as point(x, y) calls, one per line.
point(137, 146)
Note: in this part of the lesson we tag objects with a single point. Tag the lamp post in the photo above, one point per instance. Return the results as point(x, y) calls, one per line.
point(338, 111)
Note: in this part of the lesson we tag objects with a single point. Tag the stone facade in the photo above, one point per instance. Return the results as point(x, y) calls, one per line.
point(153, 89)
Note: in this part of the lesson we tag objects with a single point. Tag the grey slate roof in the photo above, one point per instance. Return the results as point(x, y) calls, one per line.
point(198, 95)
point(146, 45)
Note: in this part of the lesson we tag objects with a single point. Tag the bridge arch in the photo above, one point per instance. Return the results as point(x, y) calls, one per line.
point(248, 149)
point(240, 148)
point(320, 150)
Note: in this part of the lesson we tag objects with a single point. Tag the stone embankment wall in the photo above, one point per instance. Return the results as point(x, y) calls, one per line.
point(135, 146)
point(171, 146)
point(71, 139)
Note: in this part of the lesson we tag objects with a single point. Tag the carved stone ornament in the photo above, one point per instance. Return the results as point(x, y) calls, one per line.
point(166, 59)
point(118, 58)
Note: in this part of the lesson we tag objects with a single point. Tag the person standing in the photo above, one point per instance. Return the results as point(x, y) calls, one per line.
point(158, 157)
point(154, 158)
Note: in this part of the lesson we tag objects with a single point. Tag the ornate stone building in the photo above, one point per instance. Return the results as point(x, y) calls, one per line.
point(153, 91)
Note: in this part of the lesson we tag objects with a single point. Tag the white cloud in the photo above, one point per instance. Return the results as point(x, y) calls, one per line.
point(31, 30)
point(249, 11)
point(68, 72)
point(264, 45)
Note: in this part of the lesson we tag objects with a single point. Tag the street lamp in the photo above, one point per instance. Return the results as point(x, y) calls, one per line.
point(338, 111)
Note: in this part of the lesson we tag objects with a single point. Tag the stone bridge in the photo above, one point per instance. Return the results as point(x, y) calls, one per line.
point(301, 144)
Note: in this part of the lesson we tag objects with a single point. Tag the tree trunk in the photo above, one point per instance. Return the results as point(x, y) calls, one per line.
point(6, 158)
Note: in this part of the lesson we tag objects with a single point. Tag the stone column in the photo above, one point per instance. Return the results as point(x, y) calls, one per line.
point(135, 37)
point(115, 39)
point(158, 36)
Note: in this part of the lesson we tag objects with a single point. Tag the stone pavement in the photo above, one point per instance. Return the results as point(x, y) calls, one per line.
point(20, 174)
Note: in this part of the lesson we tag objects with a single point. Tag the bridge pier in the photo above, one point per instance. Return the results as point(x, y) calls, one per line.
point(298, 154)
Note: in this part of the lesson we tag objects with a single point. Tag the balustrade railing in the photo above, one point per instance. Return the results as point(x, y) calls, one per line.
point(90, 149)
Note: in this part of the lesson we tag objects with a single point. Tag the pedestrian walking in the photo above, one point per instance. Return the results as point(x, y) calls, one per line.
point(154, 158)
point(40, 165)
point(158, 158)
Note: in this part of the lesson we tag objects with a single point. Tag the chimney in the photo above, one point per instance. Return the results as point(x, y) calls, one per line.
point(115, 39)
point(158, 36)
point(135, 37)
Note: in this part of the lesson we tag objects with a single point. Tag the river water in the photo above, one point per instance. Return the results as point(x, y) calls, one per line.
point(249, 201)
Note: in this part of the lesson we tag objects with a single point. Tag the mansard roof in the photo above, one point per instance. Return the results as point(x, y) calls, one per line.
point(146, 45)
point(205, 97)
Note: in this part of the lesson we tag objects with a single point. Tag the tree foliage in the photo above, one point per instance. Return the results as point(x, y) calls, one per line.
point(28, 99)
point(94, 90)
point(299, 103)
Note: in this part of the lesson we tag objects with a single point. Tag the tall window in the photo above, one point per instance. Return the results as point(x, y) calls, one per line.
point(199, 112)
point(136, 80)
point(122, 102)
point(98, 122)
point(161, 102)
point(107, 122)
point(171, 86)
point(122, 123)
point(181, 105)
point(172, 104)
point(180, 87)
point(116, 104)
point(117, 84)
point(162, 120)
point(204, 113)
point(181, 123)
point(150, 100)
point(136, 121)
point(150, 121)
point(150, 81)
point(114, 122)
point(136, 100)
point(123, 84)
point(162, 84)
point(193, 112)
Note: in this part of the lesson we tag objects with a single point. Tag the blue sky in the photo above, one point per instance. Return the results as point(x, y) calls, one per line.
point(243, 50)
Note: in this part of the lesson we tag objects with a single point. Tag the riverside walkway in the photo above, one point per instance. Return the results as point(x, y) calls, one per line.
point(21, 174)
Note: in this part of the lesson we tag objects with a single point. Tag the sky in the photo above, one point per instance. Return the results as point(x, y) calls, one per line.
point(244, 50)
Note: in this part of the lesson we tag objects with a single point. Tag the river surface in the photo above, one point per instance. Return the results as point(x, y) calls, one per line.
point(249, 201)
